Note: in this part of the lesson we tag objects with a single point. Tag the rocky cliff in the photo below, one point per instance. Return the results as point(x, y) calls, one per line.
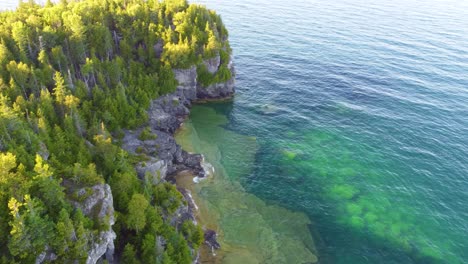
point(100, 206)
point(164, 157)
point(166, 114)
point(97, 204)
point(217, 90)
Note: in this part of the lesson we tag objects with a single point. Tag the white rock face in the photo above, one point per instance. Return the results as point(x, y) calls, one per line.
point(100, 204)
point(104, 246)
point(154, 168)
point(47, 255)
point(217, 90)
point(187, 79)
point(213, 64)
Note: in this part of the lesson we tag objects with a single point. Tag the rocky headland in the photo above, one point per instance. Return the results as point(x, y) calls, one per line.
point(164, 158)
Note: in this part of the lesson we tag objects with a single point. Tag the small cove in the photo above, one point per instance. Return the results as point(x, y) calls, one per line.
point(250, 230)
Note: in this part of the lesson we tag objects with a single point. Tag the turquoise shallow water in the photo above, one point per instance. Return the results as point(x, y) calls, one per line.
point(360, 112)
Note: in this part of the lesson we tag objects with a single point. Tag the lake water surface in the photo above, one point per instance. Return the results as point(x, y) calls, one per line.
point(350, 123)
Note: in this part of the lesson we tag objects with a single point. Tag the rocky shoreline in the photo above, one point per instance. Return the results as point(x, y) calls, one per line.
point(164, 158)
point(166, 114)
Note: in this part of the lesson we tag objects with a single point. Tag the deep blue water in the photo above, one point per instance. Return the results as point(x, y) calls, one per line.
point(360, 109)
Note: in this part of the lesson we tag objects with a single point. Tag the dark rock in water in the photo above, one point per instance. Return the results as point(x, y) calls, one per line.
point(211, 239)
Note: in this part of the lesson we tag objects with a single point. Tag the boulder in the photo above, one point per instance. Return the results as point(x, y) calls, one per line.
point(211, 239)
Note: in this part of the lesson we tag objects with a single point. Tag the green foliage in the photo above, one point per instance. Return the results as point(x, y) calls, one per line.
point(167, 197)
point(204, 76)
point(166, 80)
point(30, 228)
point(136, 218)
point(123, 185)
point(129, 255)
point(146, 134)
point(193, 234)
point(222, 75)
point(72, 75)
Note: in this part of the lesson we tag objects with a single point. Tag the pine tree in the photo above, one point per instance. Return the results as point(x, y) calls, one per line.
point(136, 218)
point(129, 255)
point(65, 234)
point(60, 90)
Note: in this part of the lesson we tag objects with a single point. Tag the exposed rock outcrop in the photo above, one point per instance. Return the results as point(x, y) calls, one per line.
point(212, 65)
point(99, 206)
point(158, 48)
point(166, 114)
point(163, 157)
point(185, 212)
point(46, 256)
point(96, 202)
point(217, 90)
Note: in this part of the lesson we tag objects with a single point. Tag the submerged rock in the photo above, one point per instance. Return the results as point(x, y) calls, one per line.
point(211, 239)
point(252, 231)
point(269, 109)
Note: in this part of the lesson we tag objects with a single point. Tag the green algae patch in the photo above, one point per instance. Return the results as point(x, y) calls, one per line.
point(343, 191)
point(250, 231)
point(289, 154)
point(369, 208)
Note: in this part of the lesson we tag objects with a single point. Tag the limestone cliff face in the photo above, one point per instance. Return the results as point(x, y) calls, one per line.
point(213, 64)
point(164, 156)
point(99, 206)
point(166, 114)
point(217, 90)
